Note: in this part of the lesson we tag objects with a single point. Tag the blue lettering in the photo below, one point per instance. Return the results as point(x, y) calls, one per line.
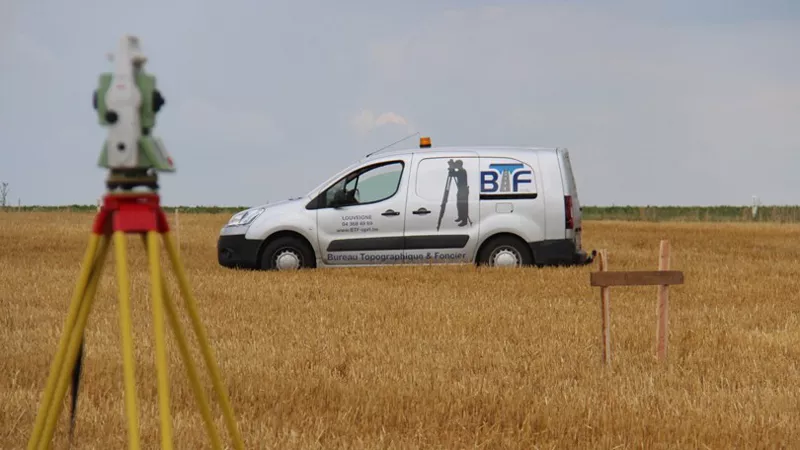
point(516, 180)
point(489, 178)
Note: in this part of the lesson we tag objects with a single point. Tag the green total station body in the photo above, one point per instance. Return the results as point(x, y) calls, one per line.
point(150, 153)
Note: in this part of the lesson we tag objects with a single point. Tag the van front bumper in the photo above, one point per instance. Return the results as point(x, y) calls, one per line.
point(236, 251)
point(560, 252)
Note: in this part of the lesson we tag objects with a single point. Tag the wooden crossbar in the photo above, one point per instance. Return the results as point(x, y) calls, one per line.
point(637, 278)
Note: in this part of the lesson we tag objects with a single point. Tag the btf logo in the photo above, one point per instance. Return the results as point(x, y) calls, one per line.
point(510, 178)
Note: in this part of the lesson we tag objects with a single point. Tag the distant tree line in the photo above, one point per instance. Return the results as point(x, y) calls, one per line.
point(632, 213)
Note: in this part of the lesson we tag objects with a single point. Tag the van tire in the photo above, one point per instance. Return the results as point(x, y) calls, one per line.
point(505, 248)
point(293, 252)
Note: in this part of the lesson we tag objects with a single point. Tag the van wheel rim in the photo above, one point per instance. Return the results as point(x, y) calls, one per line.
point(505, 257)
point(288, 260)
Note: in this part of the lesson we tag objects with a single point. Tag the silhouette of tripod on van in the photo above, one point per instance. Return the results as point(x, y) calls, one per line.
point(456, 171)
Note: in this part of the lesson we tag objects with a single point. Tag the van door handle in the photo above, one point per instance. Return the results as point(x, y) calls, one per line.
point(390, 212)
point(421, 211)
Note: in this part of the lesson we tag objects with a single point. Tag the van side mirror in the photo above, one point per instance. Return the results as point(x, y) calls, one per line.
point(339, 199)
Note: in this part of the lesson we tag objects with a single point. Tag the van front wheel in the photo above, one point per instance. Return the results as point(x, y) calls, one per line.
point(505, 251)
point(287, 253)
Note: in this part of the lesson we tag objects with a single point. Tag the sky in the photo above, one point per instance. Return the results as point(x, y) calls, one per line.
point(670, 103)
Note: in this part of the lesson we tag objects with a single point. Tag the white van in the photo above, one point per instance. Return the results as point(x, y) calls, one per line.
point(499, 206)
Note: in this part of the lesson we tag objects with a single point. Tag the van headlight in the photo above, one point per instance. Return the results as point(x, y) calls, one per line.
point(244, 217)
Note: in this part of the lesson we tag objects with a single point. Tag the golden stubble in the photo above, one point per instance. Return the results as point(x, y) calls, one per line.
point(427, 357)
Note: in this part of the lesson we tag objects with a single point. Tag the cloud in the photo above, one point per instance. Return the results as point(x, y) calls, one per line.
point(390, 117)
point(363, 122)
point(366, 121)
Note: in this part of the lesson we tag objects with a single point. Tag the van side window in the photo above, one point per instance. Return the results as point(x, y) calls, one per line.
point(379, 183)
point(369, 185)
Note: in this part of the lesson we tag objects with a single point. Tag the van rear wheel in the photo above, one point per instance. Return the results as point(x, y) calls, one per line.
point(287, 253)
point(505, 251)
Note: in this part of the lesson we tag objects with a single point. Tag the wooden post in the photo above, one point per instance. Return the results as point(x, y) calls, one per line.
point(605, 300)
point(663, 277)
point(662, 308)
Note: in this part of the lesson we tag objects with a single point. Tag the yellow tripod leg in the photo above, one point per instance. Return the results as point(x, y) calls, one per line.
point(78, 296)
point(128, 361)
point(158, 325)
point(199, 394)
point(73, 346)
point(203, 338)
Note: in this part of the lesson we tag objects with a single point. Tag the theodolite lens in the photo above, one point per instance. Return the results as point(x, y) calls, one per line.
point(111, 117)
point(158, 100)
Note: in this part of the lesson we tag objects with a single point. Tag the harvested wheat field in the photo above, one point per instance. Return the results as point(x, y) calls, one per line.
point(428, 357)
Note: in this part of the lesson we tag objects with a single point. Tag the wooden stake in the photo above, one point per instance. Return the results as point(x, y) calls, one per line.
point(605, 305)
point(662, 308)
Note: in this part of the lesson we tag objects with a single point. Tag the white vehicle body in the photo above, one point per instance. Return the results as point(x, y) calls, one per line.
point(502, 206)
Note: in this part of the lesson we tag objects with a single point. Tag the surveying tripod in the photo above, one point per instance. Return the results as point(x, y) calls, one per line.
point(445, 197)
point(122, 213)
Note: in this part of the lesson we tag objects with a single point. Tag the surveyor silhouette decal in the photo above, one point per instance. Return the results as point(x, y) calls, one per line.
point(455, 170)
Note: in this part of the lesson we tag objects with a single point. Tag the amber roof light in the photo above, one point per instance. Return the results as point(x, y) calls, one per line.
point(424, 142)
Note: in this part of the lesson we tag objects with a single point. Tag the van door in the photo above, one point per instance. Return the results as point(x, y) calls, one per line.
point(442, 217)
point(360, 216)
